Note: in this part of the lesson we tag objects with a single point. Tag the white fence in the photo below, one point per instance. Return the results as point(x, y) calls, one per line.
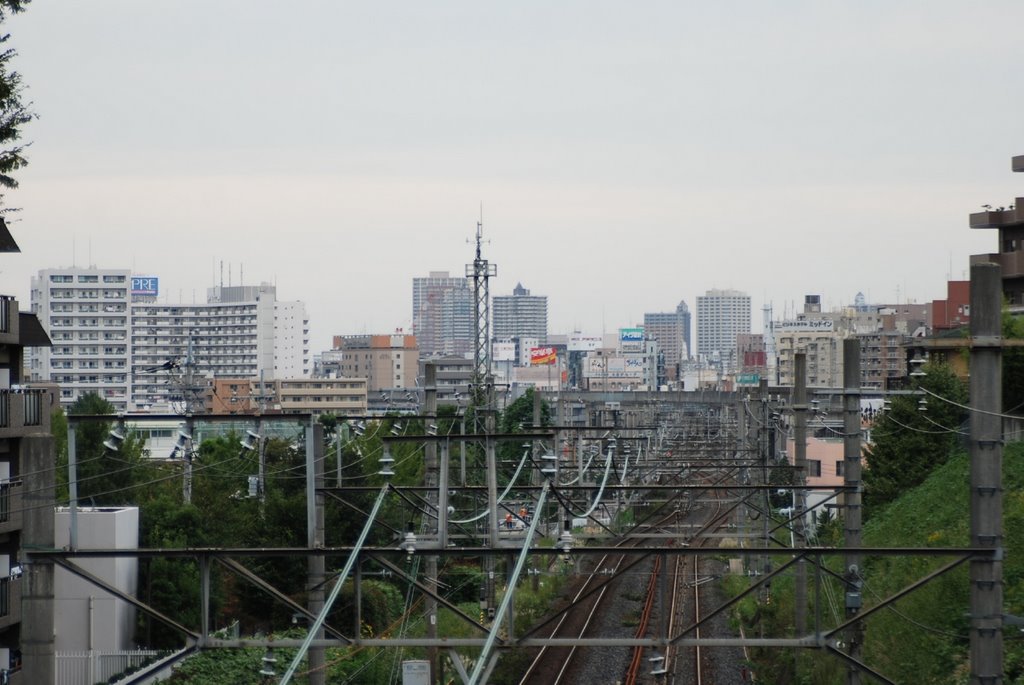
point(88, 668)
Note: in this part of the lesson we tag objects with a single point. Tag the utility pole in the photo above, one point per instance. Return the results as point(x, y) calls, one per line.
point(186, 456)
point(852, 501)
point(764, 448)
point(986, 452)
point(72, 488)
point(315, 539)
point(800, 483)
point(434, 529)
point(261, 454)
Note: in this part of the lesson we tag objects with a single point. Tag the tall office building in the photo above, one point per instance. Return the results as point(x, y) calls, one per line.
point(520, 315)
point(683, 311)
point(116, 339)
point(442, 315)
point(667, 328)
point(721, 315)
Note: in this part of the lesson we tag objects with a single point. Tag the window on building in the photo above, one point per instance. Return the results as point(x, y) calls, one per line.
point(814, 468)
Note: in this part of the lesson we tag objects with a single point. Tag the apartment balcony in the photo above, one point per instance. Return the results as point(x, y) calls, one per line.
point(8, 320)
point(10, 602)
point(999, 218)
point(10, 507)
point(25, 412)
point(1012, 263)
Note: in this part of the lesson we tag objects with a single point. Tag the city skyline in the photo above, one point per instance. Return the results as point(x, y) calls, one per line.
point(624, 160)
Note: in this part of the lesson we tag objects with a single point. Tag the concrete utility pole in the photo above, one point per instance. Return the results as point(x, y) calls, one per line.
point(433, 524)
point(186, 456)
point(315, 538)
point(800, 481)
point(986, 452)
point(72, 488)
point(764, 450)
point(852, 499)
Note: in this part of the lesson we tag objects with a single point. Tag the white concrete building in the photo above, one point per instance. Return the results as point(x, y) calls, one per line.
point(116, 335)
point(85, 311)
point(721, 315)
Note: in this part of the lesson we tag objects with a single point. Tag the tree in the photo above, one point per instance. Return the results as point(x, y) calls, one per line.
point(908, 443)
point(14, 113)
point(520, 413)
point(1013, 365)
point(105, 477)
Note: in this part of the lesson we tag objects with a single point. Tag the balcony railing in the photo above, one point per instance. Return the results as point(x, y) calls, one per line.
point(24, 408)
point(10, 601)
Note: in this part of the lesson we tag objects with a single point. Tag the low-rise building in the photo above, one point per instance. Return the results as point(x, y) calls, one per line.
point(385, 361)
point(340, 396)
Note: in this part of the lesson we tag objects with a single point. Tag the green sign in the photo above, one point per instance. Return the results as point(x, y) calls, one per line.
point(748, 379)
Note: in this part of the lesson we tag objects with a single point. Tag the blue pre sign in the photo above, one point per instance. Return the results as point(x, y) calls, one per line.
point(145, 285)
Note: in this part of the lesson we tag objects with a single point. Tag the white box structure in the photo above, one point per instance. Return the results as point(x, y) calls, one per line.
point(87, 617)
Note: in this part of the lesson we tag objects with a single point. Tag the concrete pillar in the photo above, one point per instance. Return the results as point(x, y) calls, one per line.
point(37, 604)
point(852, 498)
point(986, 451)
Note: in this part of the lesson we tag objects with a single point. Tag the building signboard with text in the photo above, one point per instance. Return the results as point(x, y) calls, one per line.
point(145, 286)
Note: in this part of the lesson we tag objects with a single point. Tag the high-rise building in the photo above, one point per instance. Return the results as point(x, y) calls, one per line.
point(85, 311)
point(683, 311)
point(670, 330)
point(442, 315)
point(520, 315)
point(116, 339)
point(239, 332)
point(721, 315)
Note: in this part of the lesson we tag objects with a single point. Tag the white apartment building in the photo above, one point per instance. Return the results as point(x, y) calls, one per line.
point(721, 315)
point(85, 311)
point(117, 338)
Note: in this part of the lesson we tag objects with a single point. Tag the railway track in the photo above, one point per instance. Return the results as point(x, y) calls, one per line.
point(684, 604)
point(554, 665)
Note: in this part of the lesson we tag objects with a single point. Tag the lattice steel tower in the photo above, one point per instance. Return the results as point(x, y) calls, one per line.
point(481, 271)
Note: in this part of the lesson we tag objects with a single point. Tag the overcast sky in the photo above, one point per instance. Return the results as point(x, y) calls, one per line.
point(627, 155)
